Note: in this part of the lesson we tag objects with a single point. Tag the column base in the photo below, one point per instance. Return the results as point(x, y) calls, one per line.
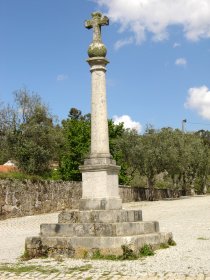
point(100, 187)
point(100, 204)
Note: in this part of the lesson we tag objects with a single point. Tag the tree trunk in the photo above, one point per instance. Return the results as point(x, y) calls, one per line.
point(151, 182)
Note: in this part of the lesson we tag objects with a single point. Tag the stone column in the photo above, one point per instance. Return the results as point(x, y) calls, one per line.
point(100, 186)
point(99, 125)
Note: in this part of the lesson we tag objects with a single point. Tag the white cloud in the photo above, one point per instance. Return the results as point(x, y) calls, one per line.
point(128, 122)
point(181, 61)
point(155, 16)
point(176, 45)
point(121, 43)
point(199, 100)
point(62, 77)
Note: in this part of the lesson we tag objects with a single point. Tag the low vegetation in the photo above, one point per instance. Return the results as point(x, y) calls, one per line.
point(128, 254)
point(18, 269)
point(203, 238)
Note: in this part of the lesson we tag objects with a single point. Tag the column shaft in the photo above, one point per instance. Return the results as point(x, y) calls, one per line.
point(99, 123)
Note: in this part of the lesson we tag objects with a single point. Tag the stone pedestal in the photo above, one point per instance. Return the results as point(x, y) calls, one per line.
point(100, 186)
point(80, 233)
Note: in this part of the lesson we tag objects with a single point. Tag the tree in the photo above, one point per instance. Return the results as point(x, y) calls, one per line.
point(173, 154)
point(127, 154)
point(30, 134)
point(77, 134)
point(76, 131)
point(184, 157)
point(36, 142)
point(150, 158)
point(8, 132)
point(27, 104)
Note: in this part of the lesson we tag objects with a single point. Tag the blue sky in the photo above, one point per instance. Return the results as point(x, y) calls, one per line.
point(159, 53)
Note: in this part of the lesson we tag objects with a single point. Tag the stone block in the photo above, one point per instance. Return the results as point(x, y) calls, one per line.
point(81, 246)
point(105, 203)
point(100, 216)
point(100, 188)
point(99, 229)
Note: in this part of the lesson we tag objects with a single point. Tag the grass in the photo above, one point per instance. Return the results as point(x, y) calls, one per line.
point(20, 176)
point(171, 242)
point(25, 256)
point(18, 269)
point(79, 268)
point(202, 238)
point(146, 251)
point(29, 268)
point(128, 254)
point(164, 246)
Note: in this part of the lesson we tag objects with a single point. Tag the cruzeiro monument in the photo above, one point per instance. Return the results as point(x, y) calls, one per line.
point(100, 223)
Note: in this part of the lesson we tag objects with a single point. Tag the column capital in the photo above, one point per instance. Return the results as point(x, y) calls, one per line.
point(99, 60)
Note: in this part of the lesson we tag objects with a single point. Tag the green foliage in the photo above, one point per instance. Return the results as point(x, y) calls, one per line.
point(28, 134)
point(25, 256)
point(128, 253)
point(163, 184)
point(19, 269)
point(126, 153)
point(32, 158)
point(202, 238)
point(54, 175)
point(97, 255)
point(82, 268)
point(116, 132)
point(164, 246)
point(76, 130)
point(171, 242)
point(181, 158)
point(20, 176)
point(146, 250)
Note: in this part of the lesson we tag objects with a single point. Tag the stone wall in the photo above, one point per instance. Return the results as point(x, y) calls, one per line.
point(21, 198)
point(129, 194)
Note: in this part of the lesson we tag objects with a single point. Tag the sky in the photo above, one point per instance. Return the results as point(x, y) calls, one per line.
point(159, 53)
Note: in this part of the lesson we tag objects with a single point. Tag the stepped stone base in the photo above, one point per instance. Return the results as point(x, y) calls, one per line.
point(100, 216)
point(80, 233)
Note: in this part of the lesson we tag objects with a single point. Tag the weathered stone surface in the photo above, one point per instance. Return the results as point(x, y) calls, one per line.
point(81, 246)
point(22, 198)
point(100, 216)
point(99, 229)
point(100, 189)
point(97, 48)
point(98, 203)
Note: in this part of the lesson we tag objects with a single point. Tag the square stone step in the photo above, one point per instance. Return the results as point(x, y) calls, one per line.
point(81, 246)
point(99, 229)
point(100, 216)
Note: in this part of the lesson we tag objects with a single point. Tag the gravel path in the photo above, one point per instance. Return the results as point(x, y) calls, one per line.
point(188, 219)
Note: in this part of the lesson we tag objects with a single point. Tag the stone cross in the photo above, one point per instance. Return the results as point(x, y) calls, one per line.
point(99, 173)
point(97, 21)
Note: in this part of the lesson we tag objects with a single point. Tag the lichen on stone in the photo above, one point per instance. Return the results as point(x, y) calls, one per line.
point(97, 49)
